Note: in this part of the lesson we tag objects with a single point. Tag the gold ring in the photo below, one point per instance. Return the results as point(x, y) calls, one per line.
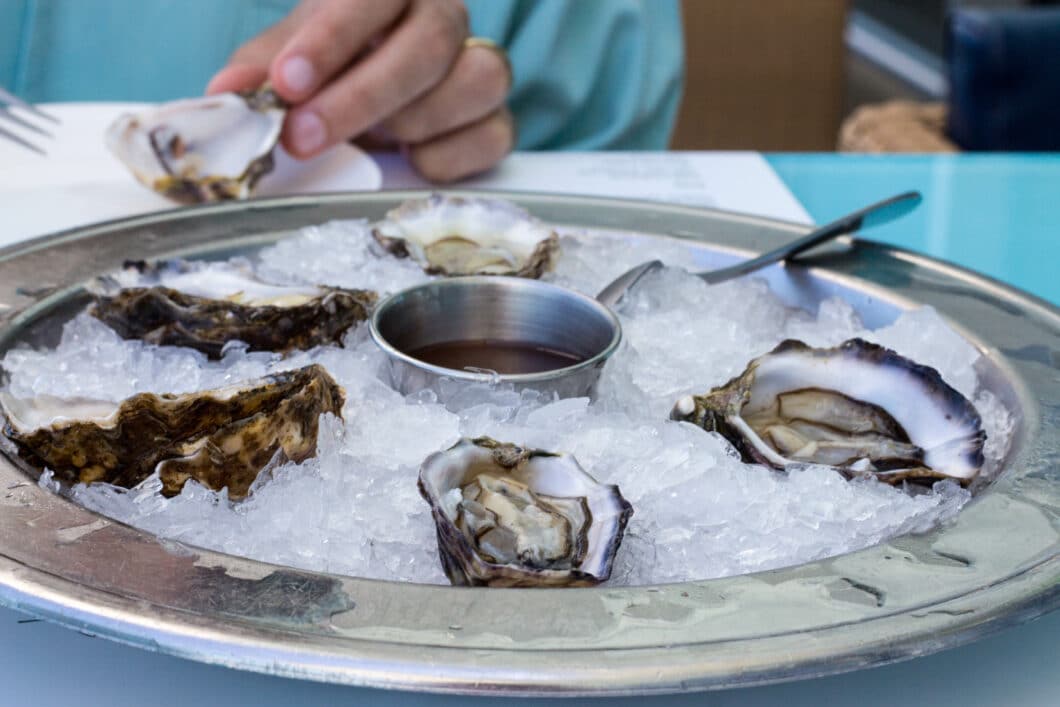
point(496, 49)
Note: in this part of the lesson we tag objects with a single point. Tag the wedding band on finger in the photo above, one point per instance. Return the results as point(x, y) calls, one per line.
point(496, 49)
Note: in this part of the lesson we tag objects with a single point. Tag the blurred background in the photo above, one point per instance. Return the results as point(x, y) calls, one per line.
point(871, 75)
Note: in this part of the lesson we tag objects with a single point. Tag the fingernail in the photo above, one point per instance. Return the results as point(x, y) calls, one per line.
point(308, 132)
point(298, 74)
point(216, 82)
point(211, 87)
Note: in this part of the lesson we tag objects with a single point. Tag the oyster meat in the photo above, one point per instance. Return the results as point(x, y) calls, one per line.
point(449, 235)
point(858, 407)
point(201, 149)
point(513, 517)
point(220, 438)
point(206, 305)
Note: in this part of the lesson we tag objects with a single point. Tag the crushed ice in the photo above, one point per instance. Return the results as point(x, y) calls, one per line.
point(355, 509)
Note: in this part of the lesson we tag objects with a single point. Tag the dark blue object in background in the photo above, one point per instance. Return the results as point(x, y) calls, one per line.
point(1004, 79)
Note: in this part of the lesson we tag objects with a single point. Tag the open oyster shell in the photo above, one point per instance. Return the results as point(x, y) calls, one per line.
point(201, 149)
point(858, 407)
point(220, 438)
point(206, 305)
point(450, 235)
point(513, 517)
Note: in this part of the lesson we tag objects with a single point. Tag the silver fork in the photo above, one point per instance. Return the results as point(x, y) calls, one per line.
point(8, 101)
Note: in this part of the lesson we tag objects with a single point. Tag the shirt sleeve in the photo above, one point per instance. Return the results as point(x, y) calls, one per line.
point(119, 50)
point(589, 75)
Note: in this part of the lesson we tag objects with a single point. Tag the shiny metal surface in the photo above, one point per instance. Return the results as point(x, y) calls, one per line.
point(615, 290)
point(877, 214)
point(9, 100)
point(996, 565)
point(514, 310)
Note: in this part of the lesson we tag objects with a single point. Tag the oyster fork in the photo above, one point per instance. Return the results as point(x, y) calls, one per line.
point(8, 101)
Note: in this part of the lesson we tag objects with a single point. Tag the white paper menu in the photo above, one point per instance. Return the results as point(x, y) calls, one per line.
point(733, 181)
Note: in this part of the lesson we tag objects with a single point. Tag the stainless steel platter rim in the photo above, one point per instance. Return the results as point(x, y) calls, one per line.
point(420, 672)
point(342, 647)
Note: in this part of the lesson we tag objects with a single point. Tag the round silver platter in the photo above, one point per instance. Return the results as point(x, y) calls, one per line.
point(996, 565)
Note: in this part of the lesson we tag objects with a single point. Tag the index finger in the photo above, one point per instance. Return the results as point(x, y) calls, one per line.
point(332, 35)
point(414, 57)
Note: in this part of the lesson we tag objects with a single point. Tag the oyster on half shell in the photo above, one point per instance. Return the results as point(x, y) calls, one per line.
point(201, 149)
point(858, 407)
point(206, 305)
point(220, 438)
point(449, 235)
point(513, 517)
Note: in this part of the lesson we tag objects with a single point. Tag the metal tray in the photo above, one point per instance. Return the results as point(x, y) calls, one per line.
point(997, 565)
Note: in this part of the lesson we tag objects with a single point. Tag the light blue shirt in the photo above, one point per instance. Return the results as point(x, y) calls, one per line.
point(588, 75)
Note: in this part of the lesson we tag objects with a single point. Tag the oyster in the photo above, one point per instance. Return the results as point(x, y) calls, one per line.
point(201, 149)
point(220, 438)
point(206, 305)
point(450, 235)
point(859, 407)
point(513, 517)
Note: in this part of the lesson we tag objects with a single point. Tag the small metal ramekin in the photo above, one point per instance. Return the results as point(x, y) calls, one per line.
point(505, 309)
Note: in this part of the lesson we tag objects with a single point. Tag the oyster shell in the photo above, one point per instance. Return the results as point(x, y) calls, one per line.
point(858, 407)
point(220, 438)
point(513, 517)
point(206, 305)
point(201, 149)
point(450, 235)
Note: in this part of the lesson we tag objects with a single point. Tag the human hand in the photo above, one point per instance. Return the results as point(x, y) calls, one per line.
point(396, 69)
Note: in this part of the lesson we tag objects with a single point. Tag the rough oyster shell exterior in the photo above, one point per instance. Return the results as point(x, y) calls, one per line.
point(859, 407)
point(221, 438)
point(507, 516)
point(238, 307)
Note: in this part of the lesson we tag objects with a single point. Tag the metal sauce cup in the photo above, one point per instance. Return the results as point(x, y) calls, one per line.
point(510, 310)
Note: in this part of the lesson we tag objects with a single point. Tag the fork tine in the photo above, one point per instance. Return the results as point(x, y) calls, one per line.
point(8, 115)
point(4, 132)
point(11, 99)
